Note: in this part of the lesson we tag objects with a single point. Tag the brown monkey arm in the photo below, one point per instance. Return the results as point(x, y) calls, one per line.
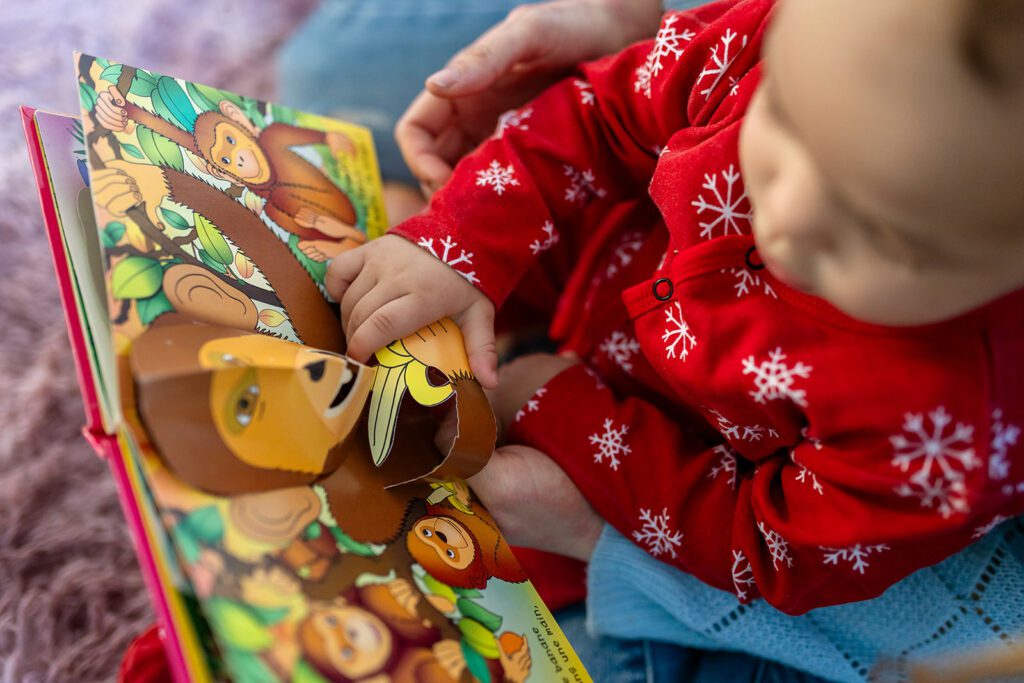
point(159, 125)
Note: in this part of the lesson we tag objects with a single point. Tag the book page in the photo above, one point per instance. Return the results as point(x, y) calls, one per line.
point(63, 145)
point(313, 554)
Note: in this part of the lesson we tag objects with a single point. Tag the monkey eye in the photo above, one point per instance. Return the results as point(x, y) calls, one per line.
point(428, 533)
point(450, 553)
point(330, 620)
point(226, 161)
point(231, 140)
point(246, 405)
point(347, 653)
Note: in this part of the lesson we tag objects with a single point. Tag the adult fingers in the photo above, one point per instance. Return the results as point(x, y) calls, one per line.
point(521, 37)
point(343, 270)
point(417, 134)
point(477, 325)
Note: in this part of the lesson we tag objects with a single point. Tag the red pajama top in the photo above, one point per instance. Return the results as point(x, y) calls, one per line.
point(742, 431)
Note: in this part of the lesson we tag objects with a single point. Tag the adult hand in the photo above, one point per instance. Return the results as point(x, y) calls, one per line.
point(535, 503)
point(534, 46)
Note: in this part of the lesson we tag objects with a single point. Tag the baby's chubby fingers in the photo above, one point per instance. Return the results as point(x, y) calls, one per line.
point(477, 325)
point(387, 323)
point(343, 270)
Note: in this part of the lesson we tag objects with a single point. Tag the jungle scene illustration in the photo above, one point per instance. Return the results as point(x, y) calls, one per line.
point(325, 529)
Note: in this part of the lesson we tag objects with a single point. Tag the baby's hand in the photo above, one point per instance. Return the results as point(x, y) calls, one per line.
point(390, 288)
point(535, 503)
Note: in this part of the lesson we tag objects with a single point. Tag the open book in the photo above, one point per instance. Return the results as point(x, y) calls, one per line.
point(298, 516)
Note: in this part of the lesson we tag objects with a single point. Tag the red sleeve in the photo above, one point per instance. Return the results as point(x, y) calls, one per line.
point(581, 146)
point(816, 525)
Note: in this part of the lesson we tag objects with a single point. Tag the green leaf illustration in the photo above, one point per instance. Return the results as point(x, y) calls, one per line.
point(476, 664)
point(486, 618)
point(133, 150)
point(136, 277)
point(210, 262)
point(143, 84)
point(112, 234)
point(174, 218)
point(152, 308)
point(88, 96)
point(186, 543)
point(237, 627)
point(111, 73)
point(160, 150)
point(214, 96)
point(177, 102)
point(206, 524)
point(248, 667)
point(213, 242)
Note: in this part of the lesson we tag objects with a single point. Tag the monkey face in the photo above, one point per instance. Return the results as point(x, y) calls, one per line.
point(353, 641)
point(236, 153)
point(288, 411)
point(446, 538)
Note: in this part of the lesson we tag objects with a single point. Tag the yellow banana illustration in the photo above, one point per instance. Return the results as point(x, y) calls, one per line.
point(398, 372)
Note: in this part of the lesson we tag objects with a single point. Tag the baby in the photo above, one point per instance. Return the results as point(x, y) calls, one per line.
point(780, 246)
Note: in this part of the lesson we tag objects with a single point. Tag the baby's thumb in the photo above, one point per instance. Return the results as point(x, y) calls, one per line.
point(477, 325)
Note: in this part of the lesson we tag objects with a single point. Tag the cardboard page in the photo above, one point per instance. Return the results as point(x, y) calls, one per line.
point(326, 536)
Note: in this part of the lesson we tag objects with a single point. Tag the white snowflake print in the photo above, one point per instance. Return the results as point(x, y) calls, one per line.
point(620, 349)
point(856, 555)
point(497, 177)
point(735, 432)
point(457, 263)
point(587, 97)
point(581, 189)
point(777, 546)
point(805, 434)
point(532, 404)
point(734, 86)
point(513, 119)
point(657, 535)
point(742, 574)
point(611, 444)
point(724, 204)
point(628, 246)
point(1003, 437)
point(805, 476)
point(1010, 489)
point(939, 459)
point(748, 281)
point(721, 59)
point(598, 382)
point(668, 43)
point(726, 465)
point(678, 336)
point(985, 529)
point(549, 240)
point(774, 379)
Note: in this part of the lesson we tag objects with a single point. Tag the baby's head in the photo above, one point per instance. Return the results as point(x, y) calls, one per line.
point(884, 154)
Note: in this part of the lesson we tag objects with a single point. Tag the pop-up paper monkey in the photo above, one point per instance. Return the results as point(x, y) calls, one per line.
point(233, 413)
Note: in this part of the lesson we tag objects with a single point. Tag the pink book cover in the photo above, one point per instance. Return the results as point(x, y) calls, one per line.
point(105, 445)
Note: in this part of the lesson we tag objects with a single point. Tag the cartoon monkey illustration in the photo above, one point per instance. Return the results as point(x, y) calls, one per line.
point(375, 631)
point(460, 548)
point(298, 196)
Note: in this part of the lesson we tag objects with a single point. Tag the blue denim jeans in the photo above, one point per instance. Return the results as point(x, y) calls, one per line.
point(365, 60)
point(610, 660)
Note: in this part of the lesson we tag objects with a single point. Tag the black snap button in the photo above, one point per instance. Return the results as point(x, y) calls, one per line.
point(663, 289)
point(750, 262)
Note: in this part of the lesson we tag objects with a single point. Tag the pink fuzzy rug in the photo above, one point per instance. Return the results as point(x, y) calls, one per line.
point(71, 597)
